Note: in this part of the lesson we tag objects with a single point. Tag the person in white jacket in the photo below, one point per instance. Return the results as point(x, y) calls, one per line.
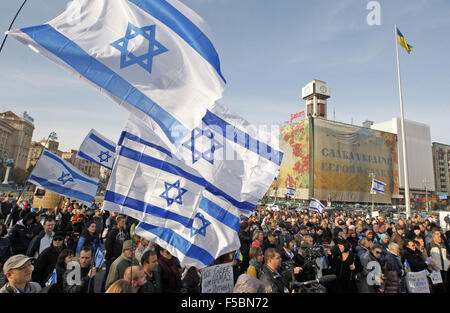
point(438, 253)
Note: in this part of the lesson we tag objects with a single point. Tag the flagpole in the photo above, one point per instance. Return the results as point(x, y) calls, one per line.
point(10, 26)
point(405, 160)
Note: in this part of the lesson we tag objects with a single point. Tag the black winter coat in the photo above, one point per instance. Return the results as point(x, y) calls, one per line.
point(114, 242)
point(274, 282)
point(415, 260)
point(45, 264)
point(20, 237)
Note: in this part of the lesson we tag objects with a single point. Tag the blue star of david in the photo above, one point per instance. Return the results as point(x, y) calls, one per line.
point(63, 175)
point(208, 155)
point(104, 156)
point(177, 199)
point(127, 58)
point(201, 230)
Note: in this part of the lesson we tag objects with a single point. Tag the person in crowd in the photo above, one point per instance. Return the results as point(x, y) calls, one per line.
point(119, 266)
point(5, 247)
point(170, 272)
point(18, 271)
point(438, 252)
point(136, 276)
point(257, 239)
point(273, 281)
point(393, 257)
point(271, 242)
point(87, 274)
point(64, 258)
point(245, 237)
point(113, 244)
point(42, 241)
point(120, 286)
point(46, 261)
point(413, 257)
point(150, 265)
point(346, 265)
point(391, 282)
point(144, 245)
point(371, 275)
point(352, 238)
point(247, 283)
point(256, 261)
point(191, 280)
point(20, 235)
point(89, 237)
point(399, 236)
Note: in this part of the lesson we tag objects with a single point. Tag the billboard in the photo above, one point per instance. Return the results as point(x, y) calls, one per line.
point(294, 169)
point(345, 155)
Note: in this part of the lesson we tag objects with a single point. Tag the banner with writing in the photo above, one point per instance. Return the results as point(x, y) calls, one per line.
point(218, 279)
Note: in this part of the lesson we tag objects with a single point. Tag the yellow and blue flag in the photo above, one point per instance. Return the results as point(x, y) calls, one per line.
point(52, 279)
point(406, 266)
point(402, 41)
point(239, 255)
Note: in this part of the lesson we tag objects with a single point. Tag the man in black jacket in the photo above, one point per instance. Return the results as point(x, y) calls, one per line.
point(20, 235)
point(46, 261)
point(42, 241)
point(273, 281)
point(87, 272)
point(113, 244)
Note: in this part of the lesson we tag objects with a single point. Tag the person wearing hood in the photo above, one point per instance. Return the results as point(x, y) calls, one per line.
point(346, 266)
point(46, 262)
point(370, 262)
point(20, 235)
point(170, 272)
point(89, 238)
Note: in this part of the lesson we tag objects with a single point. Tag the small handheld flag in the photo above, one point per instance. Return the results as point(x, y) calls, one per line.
point(99, 258)
point(402, 41)
point(378, 186)
point(239, 255)
point(406, 266)
point(52, 279)
point(316, 205)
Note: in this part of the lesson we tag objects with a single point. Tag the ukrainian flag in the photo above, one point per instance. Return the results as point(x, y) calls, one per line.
point(52, 279)
point(239, 255)
point(406, 266)
point(402, 41)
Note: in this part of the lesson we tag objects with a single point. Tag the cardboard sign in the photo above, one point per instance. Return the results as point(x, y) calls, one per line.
point(218, 279)
point(417, 282)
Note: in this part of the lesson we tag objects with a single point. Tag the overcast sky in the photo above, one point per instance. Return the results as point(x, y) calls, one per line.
point(269, 49)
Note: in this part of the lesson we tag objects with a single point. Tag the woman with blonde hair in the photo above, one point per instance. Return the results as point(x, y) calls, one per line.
point(120, 286)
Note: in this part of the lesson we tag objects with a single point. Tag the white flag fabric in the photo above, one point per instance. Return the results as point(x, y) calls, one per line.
point(290, 191)
point(316, 205)
point(59, 176)
point(378, 186)
point(156, 58)
point(98, 149)
point(190, 206)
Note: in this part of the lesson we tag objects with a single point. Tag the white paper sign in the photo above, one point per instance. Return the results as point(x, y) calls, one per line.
point(436, 277)
point(218, 279)
point(417, 282)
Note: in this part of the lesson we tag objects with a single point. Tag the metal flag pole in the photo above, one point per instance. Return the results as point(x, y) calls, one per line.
point(10, 26)
point(405, 159)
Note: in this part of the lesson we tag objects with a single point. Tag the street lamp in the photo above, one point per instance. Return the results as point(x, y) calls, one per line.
point(425, 183)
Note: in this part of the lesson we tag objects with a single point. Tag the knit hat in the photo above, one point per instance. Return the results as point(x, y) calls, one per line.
point(382, 236)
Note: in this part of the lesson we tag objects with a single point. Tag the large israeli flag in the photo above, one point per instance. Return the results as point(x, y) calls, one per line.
point(378, 186)
point(189, 206)
point(316, 205)
point(156, 58)
point(97, 148)
point(59, 176)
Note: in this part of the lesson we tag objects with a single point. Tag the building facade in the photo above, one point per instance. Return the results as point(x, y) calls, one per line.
point(36, 150)
point(15, 138)
point(441, 165)
point(89, 168)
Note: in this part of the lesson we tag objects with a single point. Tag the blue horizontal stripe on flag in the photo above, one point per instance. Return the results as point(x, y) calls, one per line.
point(180, 243)
point(71, 193)
point(379, 190)
point(87, 157)
point(220, 214)
point(74, 175)
point(144, 142)
point(318, 203)
point(102, 142)
point(379, 182)
point(180, 24)
point(99, 74)
point(147, 208)
point(314, 208)
point(173, 169)
point(243, 139)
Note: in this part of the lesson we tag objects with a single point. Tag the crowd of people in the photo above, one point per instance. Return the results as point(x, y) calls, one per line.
point(55, 250)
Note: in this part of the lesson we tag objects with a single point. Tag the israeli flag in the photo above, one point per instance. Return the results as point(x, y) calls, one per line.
point(378, 186)
point(52, 280)
point(156, 58)
point(99, 257)
point(98, 149)
point(316, 205)
point(190, 206)
point(59, 176)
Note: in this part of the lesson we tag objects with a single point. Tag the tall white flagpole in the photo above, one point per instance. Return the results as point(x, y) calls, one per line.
point(405, 159)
